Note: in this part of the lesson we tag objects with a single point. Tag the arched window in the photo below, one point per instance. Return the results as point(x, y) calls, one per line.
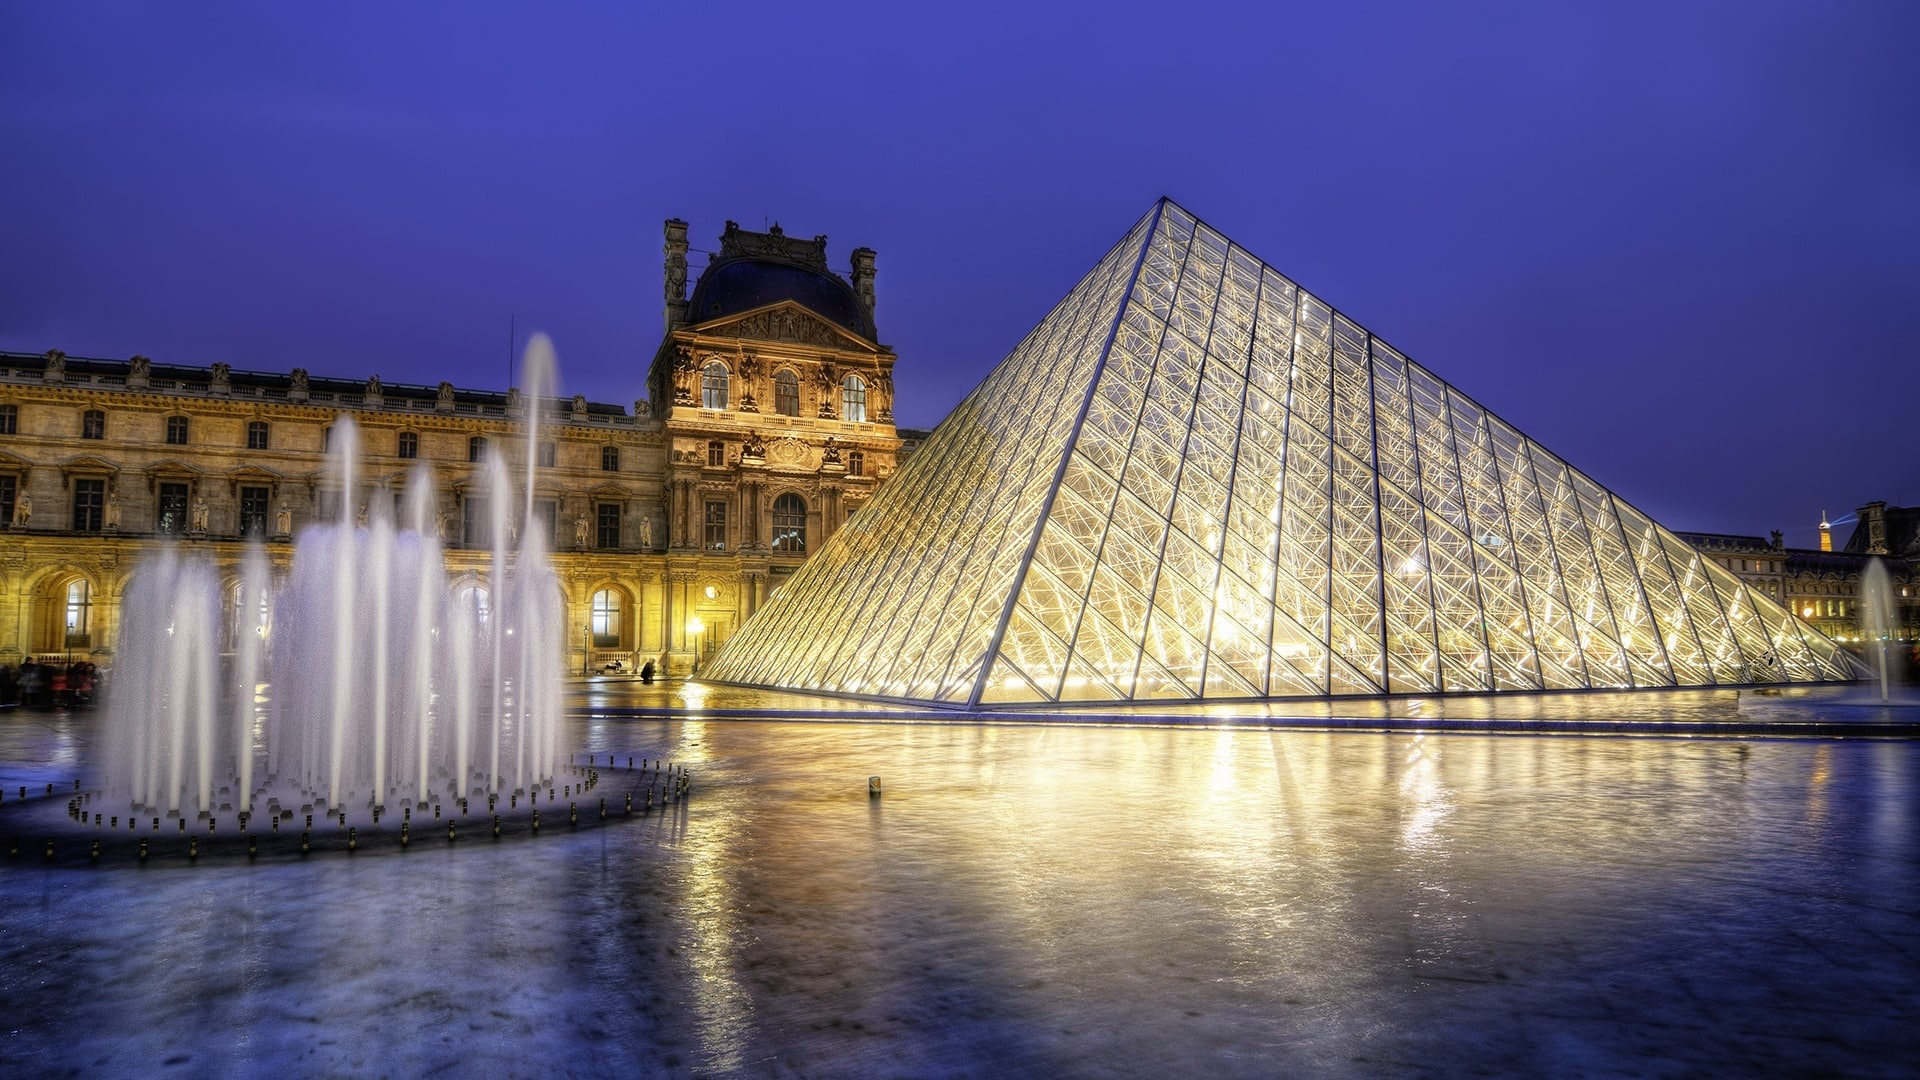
point(790, 523)
point(176, 431)
point(79, 612)
point(606, 619)
point(93, 424)
point(853, 399)
point(713, 386)
point(786, 393)
point(609, 459)
point(476, 448)
point(474, 602)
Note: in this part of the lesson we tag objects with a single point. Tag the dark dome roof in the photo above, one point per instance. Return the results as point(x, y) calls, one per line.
point(731, 286)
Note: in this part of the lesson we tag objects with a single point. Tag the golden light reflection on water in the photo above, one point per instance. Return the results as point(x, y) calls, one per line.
point(1111, 860)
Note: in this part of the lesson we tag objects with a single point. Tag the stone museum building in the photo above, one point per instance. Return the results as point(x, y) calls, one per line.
point(1824, 586)
point(767, 423)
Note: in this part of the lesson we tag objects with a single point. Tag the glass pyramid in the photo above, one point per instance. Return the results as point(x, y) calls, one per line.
point(1195, 480)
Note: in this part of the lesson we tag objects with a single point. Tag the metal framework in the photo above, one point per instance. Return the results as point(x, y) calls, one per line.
point(1195, 480)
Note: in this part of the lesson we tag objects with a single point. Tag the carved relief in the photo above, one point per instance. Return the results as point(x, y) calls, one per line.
point(788, 451)
point(785, 325)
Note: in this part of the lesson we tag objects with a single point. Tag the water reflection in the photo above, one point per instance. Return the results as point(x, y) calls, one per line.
point(1051, 899)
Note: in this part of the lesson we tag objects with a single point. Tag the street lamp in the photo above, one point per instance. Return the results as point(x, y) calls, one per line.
point(696, 627)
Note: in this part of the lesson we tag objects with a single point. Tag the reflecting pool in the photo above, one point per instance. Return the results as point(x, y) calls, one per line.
point(1034, 900)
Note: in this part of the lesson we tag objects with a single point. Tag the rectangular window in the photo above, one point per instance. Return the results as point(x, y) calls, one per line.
point(856, 463)
point(89, 503)
point(93, 424)
point(253, 511)
point(609, 459)
point(257, 435)
point(476, 522)
point(176, 431)
point(716, 527)
point(716, 454)
point(476, 448)
point(409, 444)
point(9, 490)
point(546, 455)
point(609, 531)
point(171, 512)
point(9, 419)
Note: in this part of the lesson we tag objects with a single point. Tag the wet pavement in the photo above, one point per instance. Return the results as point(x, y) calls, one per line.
point(1032, 900)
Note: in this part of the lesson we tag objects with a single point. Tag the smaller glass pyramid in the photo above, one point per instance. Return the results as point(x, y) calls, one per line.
point(1194, 480)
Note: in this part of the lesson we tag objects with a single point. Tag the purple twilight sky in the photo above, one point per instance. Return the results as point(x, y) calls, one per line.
point(1677, 243)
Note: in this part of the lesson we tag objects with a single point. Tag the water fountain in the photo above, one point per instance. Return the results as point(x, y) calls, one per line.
point(1876, 613)
point(360, 684)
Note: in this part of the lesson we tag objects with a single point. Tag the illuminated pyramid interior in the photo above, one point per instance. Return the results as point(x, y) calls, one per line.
point(1195, 480)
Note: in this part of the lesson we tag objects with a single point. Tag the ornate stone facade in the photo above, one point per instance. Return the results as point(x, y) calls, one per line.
point(101, 461)
point(763, 464)
point(1823, 587)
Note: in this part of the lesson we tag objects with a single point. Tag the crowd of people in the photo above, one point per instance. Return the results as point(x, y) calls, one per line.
point(49, 685)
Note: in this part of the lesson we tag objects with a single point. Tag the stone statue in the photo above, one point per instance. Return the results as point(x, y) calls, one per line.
point(139, 368)
point(642, 409)
point(646, 532)
point(579, 404)
point(513, 397)
point(283, 521)
point(22, 510)
point(684, 368)
point(373, 385)
point(360, 519)
point(113, 511)
point(440, 524)
point(753, 447)
point(199, 515)
point(580, 524)
point(299, 378)
point(830, 453)
point(56, 365)
point(445, 397)
point(749, 367)
point(221, 375)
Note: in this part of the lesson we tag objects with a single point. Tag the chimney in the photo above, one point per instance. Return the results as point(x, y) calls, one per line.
point(676, 252)
point(1826, 533)
point(1873, 518)
point(863, 278)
